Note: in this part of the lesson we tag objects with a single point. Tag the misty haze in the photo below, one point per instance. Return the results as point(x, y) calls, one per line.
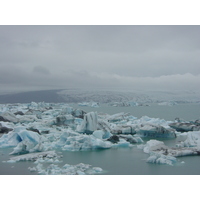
point(121, 100)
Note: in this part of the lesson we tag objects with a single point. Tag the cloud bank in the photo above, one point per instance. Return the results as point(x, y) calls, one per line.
point(133, 57)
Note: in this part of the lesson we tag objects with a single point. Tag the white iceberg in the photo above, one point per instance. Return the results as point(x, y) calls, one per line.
point(89, 123)
point(34, 156)
point(154, 131)
point(162, 154)
point(72, 141)
point(191, 139)
point(23, 141)
point(153, 145)
point(161, 159)
point(100, 134)
point(118, 117)
point(167, 103)
point(8, 117)
point(90, 104)
point(184, 126)
point(64, 120)
point(79, 169)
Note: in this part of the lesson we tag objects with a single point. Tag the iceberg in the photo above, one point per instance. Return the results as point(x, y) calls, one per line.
point(101, 134)
point(89, 123)
point(154, 145)
point(90, 104)
point(122, 143)
point(162, 154)
point(8, 117)
point(161, 159)
point(123, 104)
point(123, 129)
point(4, 129)
point(23, 141)
point(103, 125)
point(170, 103)
point(79, 169)
point(132, 139)
point(78, 113)
point(34, 156)
point(117, 117)
point(184, 126)
point(64, 120)
point(72, 141)
point(192, 139)
point(154, 131)
point(124, 140)
point(27, 119)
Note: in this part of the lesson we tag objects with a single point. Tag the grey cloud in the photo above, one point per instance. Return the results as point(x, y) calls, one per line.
point(41, 70)
point(99, 56)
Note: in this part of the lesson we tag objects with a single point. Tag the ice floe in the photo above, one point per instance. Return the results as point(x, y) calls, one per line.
point(90, 104)
point(36, 130)
point(162, 154)
point(79, 169)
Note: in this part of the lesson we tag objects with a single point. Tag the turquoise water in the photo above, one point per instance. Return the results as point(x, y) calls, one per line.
point(123, 161)
point(184, 111)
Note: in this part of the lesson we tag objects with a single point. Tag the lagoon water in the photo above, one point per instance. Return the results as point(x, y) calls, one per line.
point(183, 111)
point(123, 161)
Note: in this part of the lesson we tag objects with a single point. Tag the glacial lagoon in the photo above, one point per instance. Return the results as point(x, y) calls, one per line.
point(124, 160)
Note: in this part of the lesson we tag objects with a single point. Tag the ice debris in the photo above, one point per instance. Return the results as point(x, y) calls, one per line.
point(161, 159)
point(35, 156)
point(79, 169)
point(90, 104)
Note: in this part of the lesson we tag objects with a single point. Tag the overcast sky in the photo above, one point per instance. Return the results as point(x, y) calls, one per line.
point(134, 57)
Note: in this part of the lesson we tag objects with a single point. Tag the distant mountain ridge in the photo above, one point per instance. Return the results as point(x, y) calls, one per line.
point(50, 96)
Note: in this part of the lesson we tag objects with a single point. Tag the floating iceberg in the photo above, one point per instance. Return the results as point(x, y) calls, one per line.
point(123, 129)
point(78, 113)
point(90, 104)
point(34, 156)
point(192, 139)
point(4, 129)
point(184, 126)
point(72, 141)
point(89, 123)
point(154, 145)
point(170, 103)
point(101, 134)
point(23, 141)
point(35, 130)
point(79, 169)
point(154, 131)
point(162, 154)
point(118, 117)
point(8, 117)
point(64, 120)
point(161, 159)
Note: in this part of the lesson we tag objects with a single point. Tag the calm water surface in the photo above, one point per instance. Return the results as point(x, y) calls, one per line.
point(184, 111)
